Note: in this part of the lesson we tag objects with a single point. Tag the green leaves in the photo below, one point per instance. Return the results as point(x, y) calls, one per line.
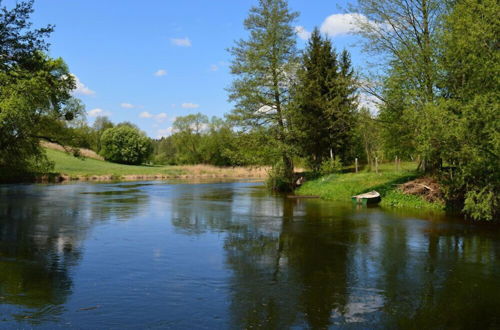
point(126, 145)
point(264, 66)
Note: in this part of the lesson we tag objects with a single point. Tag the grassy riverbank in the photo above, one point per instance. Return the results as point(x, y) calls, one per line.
point(72, 168)
point(341, 187)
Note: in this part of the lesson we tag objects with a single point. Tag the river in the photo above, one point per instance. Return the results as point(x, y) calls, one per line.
point(230, 256)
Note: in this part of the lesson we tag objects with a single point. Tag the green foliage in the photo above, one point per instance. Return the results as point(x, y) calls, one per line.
point(330, 166)
point(367, 140)
point(277, 179)
point(35, 93)
point(471, 63)
point(324, 102)
point(188, 134)
point(440, 92)
point(126, 145)
point(264, 66)
point(482, 203)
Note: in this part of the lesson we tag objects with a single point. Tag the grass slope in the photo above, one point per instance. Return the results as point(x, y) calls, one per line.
point(341, 187)
point(72, 166)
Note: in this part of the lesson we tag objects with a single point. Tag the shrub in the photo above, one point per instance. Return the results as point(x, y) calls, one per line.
point(330, 166)
point(277, 179)
point(126, 145)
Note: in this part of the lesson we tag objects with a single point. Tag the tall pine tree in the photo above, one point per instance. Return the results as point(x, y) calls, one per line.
point(325, 102)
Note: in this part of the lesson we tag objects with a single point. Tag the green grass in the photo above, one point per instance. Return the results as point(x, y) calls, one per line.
point(341, 187)
point(72, 166)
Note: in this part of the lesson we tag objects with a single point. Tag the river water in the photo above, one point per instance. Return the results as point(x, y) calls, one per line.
point(230, 255)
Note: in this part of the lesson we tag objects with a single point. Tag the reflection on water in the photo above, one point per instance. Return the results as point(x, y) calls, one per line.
point(229, 255)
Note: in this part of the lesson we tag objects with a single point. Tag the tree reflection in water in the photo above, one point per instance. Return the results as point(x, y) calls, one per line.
point(315, 264)
point(42, 229)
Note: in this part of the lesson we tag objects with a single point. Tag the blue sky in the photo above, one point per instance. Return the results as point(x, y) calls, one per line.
point(150, 61)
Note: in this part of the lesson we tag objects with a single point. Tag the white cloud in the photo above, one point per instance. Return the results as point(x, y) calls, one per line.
point(302, 32)
point(214, 68)
point(181, 42)
point(127, 105)
point(266, 110)
point(161, 117)
point(81, 88)
point(369, 101)
point(190, 105)
point(145, 114)
point(342, 24)
point(98, 112)
point(164, 132)
point(160, 73)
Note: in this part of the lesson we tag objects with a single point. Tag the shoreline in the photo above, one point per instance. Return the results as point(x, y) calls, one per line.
point(65, 178)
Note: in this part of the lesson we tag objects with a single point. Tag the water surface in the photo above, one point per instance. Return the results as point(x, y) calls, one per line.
point(230, 255)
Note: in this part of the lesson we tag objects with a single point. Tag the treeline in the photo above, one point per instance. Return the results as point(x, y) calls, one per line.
point(194, 139)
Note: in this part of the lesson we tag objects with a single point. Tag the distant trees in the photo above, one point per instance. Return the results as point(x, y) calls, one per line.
point(125, 144)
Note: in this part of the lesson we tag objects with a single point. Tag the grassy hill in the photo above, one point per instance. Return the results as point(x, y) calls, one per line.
point(72, 166)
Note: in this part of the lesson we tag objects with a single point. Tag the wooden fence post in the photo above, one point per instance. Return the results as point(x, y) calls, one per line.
point(376, 165)
point(356, 164)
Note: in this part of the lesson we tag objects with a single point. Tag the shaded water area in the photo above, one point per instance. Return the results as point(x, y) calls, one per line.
point(230, 255)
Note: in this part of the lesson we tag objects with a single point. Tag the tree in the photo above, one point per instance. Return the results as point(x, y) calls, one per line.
point(264, 66)
point(471, 62)
point(187, 137)
point(125, 144)
point(324, 102)
point(35, 93)
point(313, 96)
point(405, 35)
point(101, 124)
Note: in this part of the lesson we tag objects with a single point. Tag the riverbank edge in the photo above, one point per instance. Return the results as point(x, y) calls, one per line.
point(338, 187)
point(64, 178)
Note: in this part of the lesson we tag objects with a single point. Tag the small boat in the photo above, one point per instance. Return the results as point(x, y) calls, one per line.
point(371, 197)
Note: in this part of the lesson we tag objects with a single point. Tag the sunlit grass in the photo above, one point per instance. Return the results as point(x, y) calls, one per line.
point(341, 187)
point(67, 164)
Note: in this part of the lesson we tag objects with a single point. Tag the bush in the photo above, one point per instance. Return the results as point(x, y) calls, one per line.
point(277, 179)
point(126, 145)
point(330, 166)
